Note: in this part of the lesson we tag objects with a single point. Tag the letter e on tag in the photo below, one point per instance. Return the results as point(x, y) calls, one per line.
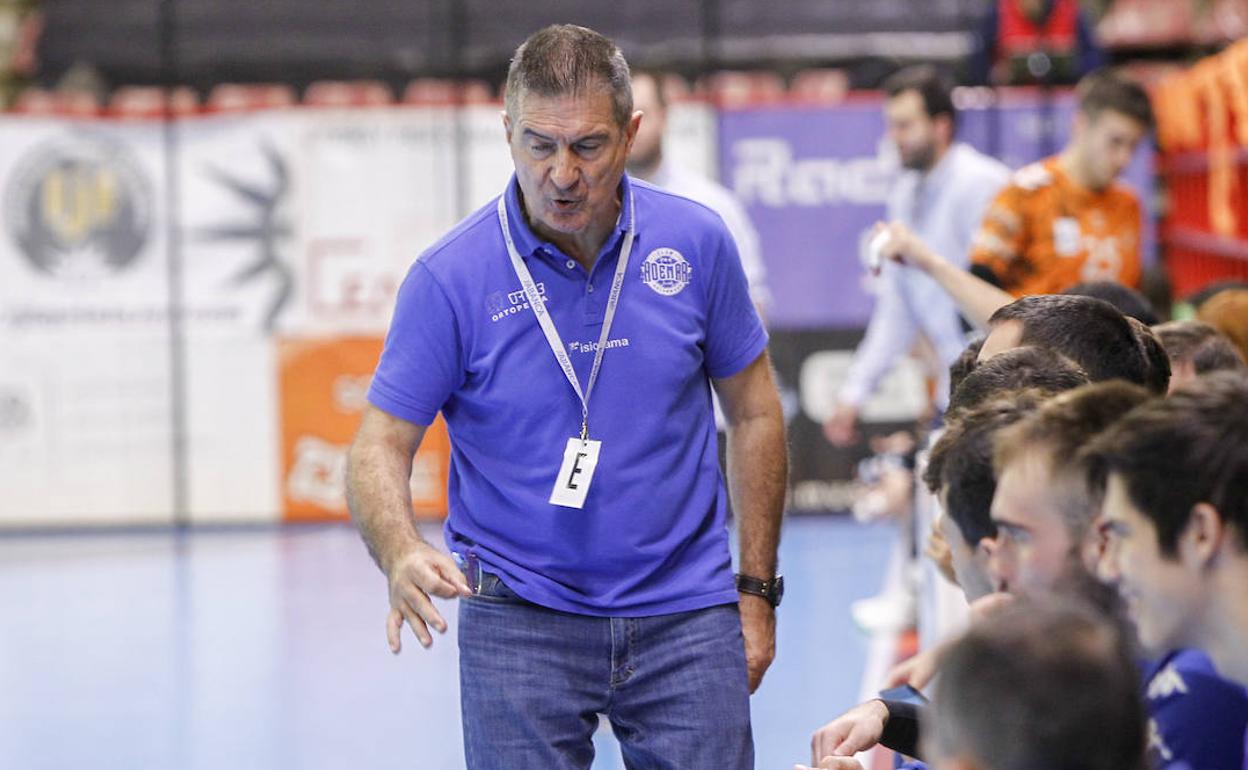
point(580, 459)
point(1066, 236)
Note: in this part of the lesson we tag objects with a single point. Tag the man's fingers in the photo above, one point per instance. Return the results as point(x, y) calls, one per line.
point(861, 737)
point(394, 625)
point(421, 604)
point(825, 741)
point(417, 623)
point(442, 578)
point(445, 580)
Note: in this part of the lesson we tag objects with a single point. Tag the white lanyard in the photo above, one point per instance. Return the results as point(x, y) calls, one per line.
point(548, 326)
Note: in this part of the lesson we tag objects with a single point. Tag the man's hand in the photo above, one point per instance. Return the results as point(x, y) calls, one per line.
point(918, 670)
point(834, 763)
point(841, 428)
point(856, 730)
point(422, 571)
point(905, 247)
point(758, 626)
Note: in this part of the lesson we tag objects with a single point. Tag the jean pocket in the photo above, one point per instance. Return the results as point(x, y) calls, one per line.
point(493, 589)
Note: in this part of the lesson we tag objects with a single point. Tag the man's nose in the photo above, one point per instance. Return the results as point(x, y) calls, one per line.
point(566, 171)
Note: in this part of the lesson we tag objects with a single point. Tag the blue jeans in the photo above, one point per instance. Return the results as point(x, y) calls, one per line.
point(533, 682)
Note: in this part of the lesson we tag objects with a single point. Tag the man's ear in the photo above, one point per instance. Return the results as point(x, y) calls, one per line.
point(985, 547)
point(1202, 538)
point(630, 129)
point(506, 124)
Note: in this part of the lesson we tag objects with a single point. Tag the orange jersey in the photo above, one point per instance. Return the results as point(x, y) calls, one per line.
point(1045, 233)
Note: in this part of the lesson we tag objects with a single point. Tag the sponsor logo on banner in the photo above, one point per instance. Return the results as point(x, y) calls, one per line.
point(266, 226)
point(666, 271)
point(767, 173)
point(324, 391)
point(79, 208)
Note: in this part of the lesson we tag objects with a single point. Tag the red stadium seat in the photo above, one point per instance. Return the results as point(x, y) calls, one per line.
point(149, 102)
point(819, 86)
point(733, 88)
point(232, 97)
point(341, 93)
point(37, 101)
point(433, 92)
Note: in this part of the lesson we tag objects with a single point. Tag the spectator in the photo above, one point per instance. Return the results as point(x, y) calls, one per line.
point(941, 195)
point(1026, 42)
point(1227, 311)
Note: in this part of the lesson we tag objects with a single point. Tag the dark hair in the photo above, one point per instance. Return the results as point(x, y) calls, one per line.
point(1199, 343)
point(1157, 372)
point(961, 461)
point(1129, 302)
point(935, 88)
point(1025, 367)
point(1107, 89)
point(1041, 684)
point(965, 363)
point(1058, 430)
point(1212, 290)
point(1090, 332)
point(1176, 452)
point(565, 59)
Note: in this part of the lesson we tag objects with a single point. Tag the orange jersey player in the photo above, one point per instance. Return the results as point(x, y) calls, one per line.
point(1067, 219)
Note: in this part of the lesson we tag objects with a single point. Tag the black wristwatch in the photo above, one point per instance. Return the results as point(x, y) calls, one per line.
point(771, 590)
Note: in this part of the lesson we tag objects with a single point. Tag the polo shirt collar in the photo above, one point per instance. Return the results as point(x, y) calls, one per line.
point(528, 242)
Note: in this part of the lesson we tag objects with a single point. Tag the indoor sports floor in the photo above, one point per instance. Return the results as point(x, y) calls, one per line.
point(264, 648)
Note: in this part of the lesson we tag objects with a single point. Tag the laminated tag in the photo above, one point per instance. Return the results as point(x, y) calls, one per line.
point(580, 459)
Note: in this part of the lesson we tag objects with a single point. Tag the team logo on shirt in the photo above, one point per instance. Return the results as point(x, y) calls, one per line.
point(666, 271)
point(502, 305)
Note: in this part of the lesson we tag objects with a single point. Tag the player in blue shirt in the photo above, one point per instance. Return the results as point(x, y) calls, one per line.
point(1175, 472)
point(570, 332)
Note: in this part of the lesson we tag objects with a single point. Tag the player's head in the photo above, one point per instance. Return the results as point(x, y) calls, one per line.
point(1175, 475)
point(1043, 507)
point(650, 99)
point(1038, 685)
point(569, 121)
point(1114, 115)
point(920, 115)
point(1090, 332)
point(1025, 367)
point(1227, 311)
point(959, 471)
point(1196, 348)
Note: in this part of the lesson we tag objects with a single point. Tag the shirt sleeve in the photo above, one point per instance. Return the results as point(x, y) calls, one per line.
point(734, 333)
point(890, 333)
point(420, 365)
point(902, 732)
point(1001, 241)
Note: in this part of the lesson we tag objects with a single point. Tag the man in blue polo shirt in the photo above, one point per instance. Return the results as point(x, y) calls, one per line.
point(569, 332)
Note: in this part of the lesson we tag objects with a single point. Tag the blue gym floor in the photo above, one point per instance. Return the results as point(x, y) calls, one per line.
point(265, 648)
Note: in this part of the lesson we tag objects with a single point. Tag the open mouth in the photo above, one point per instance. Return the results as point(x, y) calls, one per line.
point(565, 204)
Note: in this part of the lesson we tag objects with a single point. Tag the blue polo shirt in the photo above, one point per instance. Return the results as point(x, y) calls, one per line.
point(651, 538)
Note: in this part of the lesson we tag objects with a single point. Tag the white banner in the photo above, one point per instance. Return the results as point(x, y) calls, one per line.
point(295, 228)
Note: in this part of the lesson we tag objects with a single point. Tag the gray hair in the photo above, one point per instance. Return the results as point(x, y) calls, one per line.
point(564, 59)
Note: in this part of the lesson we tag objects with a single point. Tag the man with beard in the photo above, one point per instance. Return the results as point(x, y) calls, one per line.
point(648, 161)
point(941, 196)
